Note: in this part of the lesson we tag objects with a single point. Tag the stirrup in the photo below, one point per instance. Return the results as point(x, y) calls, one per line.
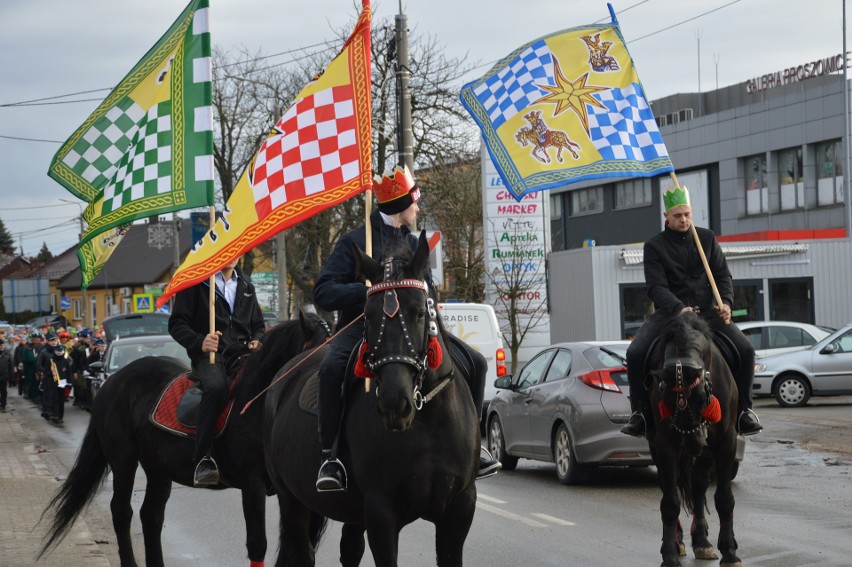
point(331, 477)
point(758, 427)
point(206, 478)
point(636, 428)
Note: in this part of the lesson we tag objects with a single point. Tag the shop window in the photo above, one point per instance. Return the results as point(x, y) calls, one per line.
point(791, 300)
point(829, 169)
point(792, 187)
point(633, 193)
point(636, 306)
point(757, 195)
point(586, 201)
point(557, 224)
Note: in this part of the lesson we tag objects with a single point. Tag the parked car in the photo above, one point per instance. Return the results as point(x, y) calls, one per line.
point(824, 369)
point(135, 325)
point(777, 337)
point(567, 406)
point(123, 351)
point(54, 321)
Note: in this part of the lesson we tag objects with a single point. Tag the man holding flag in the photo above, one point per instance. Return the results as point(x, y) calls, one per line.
point(239, 326)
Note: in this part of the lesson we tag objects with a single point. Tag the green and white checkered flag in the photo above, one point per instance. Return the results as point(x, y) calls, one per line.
point(148, 147)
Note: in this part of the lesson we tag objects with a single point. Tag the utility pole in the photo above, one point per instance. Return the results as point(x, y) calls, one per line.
point(84, 295)
point(405, 142)
point(281, 259)
point(847, 194)
point(716, 59)
point(176, 241)
point(698, 38)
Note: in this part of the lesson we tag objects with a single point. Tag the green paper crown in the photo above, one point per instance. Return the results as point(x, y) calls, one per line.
point(676, 197)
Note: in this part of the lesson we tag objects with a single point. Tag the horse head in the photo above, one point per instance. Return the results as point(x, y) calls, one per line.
point(521, 136)
point(683, 382)
point(401, 340)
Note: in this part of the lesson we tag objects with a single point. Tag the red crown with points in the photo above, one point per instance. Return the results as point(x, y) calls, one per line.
point(394, 185)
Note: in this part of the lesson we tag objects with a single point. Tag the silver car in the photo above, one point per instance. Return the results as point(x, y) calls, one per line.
point(825, 369)
point(566, 405)
point(776, 337)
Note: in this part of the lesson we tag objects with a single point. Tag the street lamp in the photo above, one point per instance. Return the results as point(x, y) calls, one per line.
point(84, 295)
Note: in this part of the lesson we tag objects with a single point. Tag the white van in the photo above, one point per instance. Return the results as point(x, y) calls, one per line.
point(476, 324)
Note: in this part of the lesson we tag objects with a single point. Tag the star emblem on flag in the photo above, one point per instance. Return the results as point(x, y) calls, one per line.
point(574, 95)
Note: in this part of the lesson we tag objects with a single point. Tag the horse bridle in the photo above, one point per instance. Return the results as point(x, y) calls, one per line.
point(681, 390)
point(390, 309)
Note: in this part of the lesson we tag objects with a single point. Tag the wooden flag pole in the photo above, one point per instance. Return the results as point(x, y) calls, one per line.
point(368, 244)
point(212, 303)
point(710, 277)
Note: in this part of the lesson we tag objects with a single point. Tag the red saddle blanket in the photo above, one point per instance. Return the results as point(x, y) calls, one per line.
point(165, 416)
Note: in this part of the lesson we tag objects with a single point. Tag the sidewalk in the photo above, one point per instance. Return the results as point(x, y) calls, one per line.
point(26, 486)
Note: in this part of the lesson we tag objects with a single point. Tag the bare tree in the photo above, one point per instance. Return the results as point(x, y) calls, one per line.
point(517, 275)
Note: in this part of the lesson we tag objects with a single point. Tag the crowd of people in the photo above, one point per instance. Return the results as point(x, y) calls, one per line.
point(50, 366)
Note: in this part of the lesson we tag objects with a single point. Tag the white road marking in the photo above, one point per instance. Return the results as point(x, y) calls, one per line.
point(510, 515)
point(554, 519)
point(481, 496)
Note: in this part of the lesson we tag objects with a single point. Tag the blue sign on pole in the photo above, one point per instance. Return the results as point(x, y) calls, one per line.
point(65, 303)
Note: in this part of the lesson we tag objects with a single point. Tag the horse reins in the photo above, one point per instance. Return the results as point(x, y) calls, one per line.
point(710, 413)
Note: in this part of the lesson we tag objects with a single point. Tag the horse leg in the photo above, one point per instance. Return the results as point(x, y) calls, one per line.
point(352, 545)
point(382, 531)
point(123, 474)
point(294, 548)
point(254, 513)
point(724, 498)
point(152, 515)
point(452, 529)
point(559, 153)
point(701, 546)
point(669, 504)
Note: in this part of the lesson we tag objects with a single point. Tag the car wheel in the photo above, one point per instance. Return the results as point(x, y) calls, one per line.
point(568, 470)
point(497, 445)
point(792, 391)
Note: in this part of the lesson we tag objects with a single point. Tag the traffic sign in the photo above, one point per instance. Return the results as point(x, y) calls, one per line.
point(143, 303)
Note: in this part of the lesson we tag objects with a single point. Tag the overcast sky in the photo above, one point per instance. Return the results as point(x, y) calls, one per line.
point(56, 47)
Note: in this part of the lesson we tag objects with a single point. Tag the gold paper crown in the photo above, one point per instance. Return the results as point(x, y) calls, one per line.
point(676, 197)
point(393, 185)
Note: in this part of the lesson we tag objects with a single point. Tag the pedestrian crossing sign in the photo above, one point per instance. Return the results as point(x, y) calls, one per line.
point(143, 303)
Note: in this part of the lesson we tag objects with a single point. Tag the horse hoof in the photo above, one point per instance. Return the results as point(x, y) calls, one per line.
point(705, 553)
point(735, 562)
point(681, 549)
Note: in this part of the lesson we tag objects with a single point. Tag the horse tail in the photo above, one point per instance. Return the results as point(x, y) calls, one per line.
point(317, 528)
point(684, 481)
point(74, 495)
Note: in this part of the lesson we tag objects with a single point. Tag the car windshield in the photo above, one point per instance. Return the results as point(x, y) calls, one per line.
point(123, 354)
point(136, 325)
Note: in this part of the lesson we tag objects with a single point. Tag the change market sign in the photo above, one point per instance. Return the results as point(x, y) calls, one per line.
point(516, 248)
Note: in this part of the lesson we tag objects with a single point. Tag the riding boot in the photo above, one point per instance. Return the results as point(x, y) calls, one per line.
point(332, 473)
point(748, 423)
point(636, 426)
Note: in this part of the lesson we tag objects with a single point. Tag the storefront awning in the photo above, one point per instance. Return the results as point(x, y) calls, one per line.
point(634, 256)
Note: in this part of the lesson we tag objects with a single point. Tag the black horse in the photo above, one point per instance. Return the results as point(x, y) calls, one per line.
point(121, 436)
point(694, 402)
point(410, 445)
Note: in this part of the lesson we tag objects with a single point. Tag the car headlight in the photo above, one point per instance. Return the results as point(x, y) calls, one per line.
point(758, 367)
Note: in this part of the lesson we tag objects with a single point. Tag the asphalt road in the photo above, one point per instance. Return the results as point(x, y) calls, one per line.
point(793, 492)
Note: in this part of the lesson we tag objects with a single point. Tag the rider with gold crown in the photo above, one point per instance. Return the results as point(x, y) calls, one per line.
point(338, 289)
point(676, 281)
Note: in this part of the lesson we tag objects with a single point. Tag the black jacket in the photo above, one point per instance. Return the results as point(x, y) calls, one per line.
point(189, 322)
point(7, 370)
point(675, 276)
point(337, 289)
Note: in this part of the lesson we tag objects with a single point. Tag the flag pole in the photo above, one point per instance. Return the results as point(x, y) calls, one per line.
point(368, 245)
point(710, 277)
point(212, 303)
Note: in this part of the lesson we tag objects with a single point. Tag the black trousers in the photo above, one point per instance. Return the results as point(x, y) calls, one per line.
point(3, 394)
point(652, 328)
point(214, 396)
point(333, 368)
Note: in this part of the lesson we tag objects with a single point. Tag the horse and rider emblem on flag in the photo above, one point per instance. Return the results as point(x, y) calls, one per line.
point(575, 90)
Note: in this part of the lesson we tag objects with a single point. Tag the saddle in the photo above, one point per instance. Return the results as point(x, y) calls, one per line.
point(176, 410)
point(722, 342)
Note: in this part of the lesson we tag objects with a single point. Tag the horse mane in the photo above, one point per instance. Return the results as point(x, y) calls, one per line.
point(283, 341)
point(677, 332)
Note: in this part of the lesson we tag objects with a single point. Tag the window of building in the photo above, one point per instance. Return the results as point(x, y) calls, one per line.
point(791, 299)
point(633, 193)
point(636, 306)
point(757, 195)
point(586, 201)
point(108, 306)
point(792, 187)
point(78, 309)
point(829, 168)
point(557, 225)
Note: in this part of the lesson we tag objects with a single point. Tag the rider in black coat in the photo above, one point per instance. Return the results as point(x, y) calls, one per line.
point(677, 281)
point(239, 326)
point(337, 289)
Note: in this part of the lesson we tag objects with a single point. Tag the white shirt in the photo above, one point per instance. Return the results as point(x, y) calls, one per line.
point(227, 288)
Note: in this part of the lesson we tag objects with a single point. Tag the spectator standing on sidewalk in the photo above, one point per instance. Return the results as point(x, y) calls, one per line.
point(28, 367)
point(7, 374)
